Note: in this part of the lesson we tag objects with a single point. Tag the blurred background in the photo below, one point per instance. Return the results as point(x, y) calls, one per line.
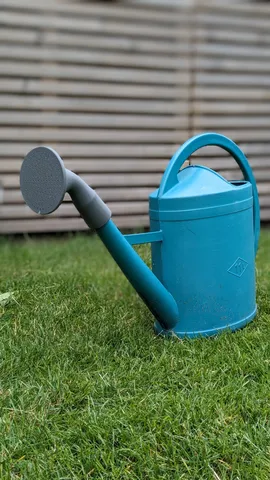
point(116, 86)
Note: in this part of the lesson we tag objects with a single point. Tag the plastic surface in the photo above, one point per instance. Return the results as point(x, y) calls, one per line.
point(200, 192)
point(159, 301)
point(43, 180)
point(92, 209)
point(207, 257)
point(203, 233)
point(170, 179)
point(147, 237)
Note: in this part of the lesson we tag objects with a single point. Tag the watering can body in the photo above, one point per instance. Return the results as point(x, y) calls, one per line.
point(210, 230)
point(206, 258)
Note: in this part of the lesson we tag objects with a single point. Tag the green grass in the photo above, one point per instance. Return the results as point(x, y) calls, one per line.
point(88, 391)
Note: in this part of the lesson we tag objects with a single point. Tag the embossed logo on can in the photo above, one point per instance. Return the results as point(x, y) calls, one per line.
point(238, 267)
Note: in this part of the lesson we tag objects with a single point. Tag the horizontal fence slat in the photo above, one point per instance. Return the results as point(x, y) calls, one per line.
point(248, 135)
point(119, 43)
point(124, 11)
point(94, 120)
point(232, 80)
point(68, 210)
point(220, 121)
point(220, 51)
point(134, 165)
point(229, 162)
point(90, 57)
point(90, 89)
point(227, 107)
point(219, 64)
point(33, 102)
point(218, 94)
point(228, 36)
point(86, 135)
point(94, 41)
point(89, 25)
point(48, 224)
point(112, 74)
point(234, 22)
point(248, 10)
point(93, 150)
point(236, 174)
point(249, 149)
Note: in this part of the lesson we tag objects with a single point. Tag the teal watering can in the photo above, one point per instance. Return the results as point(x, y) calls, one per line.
point(204, 234)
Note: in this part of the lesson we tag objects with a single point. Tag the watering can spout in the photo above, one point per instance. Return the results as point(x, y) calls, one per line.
point(44, 182)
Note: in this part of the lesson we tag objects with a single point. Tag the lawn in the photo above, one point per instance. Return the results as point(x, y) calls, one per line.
point(89, 392)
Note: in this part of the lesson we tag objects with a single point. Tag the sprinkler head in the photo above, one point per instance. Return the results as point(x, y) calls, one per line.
point(43, 180)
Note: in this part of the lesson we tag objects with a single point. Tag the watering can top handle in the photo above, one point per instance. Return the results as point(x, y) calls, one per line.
point(169, 179)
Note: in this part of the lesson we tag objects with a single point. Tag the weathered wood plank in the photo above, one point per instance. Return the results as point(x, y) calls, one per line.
point(264, 188)
point(265, 214)
point(238, 93)
point(88, 25)
point(20, 36)
point(248, 10)
point(91, 89)
point(229, 36)
point(226, 107)
point(260, 175)
point(93, 121)
point(256, 134)
point(234, 22)
point(244, 52)
point(239, 65)
point(232, 79)
point(90, 57)
point(234, 121)
point(103, 74)
point(22, 211)
point(124, 10)
point(84, 135)
point(132, 165)
point(265, 201)
point(92, 150)
point(229, 163)
point(249, 149)
point(48, 224)
point(95, 41)
point(33, 102)
point(119, 43)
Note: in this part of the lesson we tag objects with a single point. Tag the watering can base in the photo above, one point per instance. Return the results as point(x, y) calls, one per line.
point(203, 333)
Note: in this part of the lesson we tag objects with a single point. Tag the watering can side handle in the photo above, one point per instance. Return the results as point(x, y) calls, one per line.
point(169, 179)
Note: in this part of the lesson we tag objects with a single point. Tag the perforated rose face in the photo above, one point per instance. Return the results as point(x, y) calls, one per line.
point(43, 180)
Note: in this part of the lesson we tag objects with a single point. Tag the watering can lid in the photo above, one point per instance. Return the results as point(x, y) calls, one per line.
point(200, 187)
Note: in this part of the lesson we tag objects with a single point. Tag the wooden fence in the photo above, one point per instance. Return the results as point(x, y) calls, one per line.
point(231, 86)
point(115, 88)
